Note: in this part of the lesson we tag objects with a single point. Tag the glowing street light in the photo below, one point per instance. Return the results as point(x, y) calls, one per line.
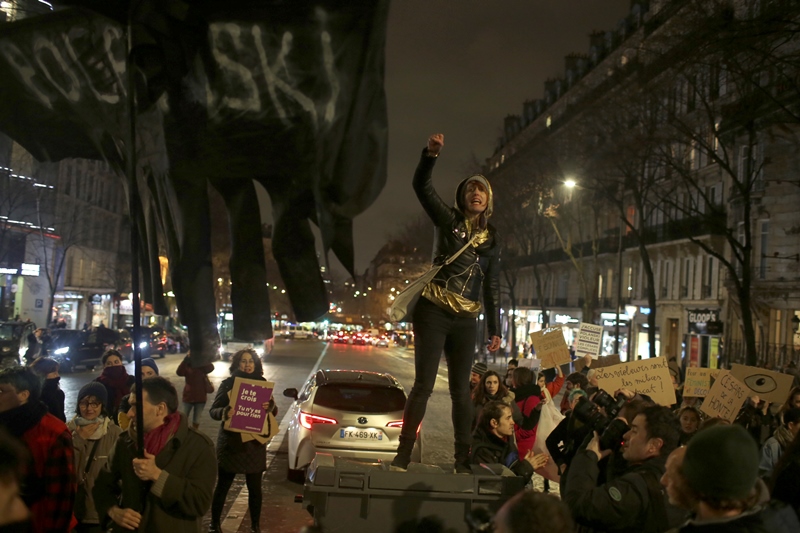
point(570, 183)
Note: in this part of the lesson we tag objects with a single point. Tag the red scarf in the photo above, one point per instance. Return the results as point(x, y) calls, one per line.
point(155, 440)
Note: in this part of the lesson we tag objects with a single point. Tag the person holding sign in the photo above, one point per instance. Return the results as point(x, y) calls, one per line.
point(444, 317)
point(233, 454)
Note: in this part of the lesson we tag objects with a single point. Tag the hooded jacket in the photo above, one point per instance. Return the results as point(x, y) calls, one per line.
point(474, 273)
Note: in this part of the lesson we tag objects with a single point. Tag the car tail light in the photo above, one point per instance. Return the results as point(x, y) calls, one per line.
point(399, 424)
point(307, 420)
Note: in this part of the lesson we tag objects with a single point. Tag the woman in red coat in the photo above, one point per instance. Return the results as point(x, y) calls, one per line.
point(196, 389)
point(528, 396)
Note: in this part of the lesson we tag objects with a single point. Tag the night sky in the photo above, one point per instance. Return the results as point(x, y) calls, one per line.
point(458, 67)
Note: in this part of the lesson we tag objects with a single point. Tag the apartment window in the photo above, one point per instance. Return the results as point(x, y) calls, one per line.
point(751, 166)
point(686, 282)
point(630, 279)
point(762, 267)
point(563, 281)
point(709, 278)
point(600, 286)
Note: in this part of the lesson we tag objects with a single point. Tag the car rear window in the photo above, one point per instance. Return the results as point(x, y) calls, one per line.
point(360, 398)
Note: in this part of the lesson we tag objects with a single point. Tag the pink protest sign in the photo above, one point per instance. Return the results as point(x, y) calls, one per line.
point(247, 399)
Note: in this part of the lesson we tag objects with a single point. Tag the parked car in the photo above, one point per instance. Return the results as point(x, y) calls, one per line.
point(347, 413)
point(73, 347)
point(125, 344)
point(14, 341)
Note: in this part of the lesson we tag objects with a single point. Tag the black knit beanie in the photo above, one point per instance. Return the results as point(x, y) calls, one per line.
point(722, 461)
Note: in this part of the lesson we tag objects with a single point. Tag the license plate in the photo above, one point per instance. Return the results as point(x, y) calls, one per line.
point(360, 434)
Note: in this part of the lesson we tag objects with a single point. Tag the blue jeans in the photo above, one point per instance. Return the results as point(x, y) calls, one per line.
point(437, 331)
point(198, 410)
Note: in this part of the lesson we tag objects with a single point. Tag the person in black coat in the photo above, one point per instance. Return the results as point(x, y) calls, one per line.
point(444, 317)
point(233, 455)
point(52, 395)
point(492, 442)
point(566, 438)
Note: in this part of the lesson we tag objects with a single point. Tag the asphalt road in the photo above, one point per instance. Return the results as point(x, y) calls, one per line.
point(289, 365)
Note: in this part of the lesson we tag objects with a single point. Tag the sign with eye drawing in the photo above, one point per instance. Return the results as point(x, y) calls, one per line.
point(773, 387)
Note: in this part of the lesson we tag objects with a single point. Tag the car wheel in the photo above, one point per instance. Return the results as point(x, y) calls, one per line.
point(296, 476)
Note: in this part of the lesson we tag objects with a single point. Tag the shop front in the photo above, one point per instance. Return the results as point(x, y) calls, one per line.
point(641, 335)
point(609, 321)
point(704, 338)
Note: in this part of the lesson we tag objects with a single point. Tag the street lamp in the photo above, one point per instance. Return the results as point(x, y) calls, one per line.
point(570, 183)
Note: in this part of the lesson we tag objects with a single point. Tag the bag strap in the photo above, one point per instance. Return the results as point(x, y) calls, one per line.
point(91, 457)
point(455, 255)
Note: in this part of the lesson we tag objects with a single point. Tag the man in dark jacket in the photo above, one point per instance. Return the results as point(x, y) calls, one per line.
point(170, 488)
point(720, 472)
point(48, 487)
point(492, 442)
point(633, 501)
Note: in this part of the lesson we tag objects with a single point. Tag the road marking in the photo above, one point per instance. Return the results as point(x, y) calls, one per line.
point(409, 360)
point(235, 517)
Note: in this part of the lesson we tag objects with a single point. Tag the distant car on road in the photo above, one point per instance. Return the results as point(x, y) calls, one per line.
point(382, 341)
point(347, 413)
point(152, 342)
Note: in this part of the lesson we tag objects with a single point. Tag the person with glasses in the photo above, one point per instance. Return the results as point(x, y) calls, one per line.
point(94, 436)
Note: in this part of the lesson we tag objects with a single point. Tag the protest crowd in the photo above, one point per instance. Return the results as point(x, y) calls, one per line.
point(624, 461)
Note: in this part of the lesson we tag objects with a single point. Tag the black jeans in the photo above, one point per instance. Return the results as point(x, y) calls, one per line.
point(437, 330)
point(224, 482)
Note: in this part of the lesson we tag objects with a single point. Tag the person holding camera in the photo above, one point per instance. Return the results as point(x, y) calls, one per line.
point(492, 442)
point(566, 438)
point(632, 501)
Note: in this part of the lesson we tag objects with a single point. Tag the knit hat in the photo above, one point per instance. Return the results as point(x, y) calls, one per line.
point(480, 368)
point(96, 389)
point(148, 361)
point(722, 461)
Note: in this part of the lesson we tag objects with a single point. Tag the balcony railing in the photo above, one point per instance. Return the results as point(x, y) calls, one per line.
point(770, 355)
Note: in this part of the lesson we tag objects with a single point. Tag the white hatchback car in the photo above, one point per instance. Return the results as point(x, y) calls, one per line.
point(347, 413)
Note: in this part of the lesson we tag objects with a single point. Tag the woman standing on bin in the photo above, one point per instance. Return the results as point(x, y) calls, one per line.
point(233, 455)
point(444, 317)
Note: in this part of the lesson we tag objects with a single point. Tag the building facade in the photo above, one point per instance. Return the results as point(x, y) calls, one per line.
point(641, 162)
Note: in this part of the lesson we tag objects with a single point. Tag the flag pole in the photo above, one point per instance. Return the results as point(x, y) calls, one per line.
point(133, 208)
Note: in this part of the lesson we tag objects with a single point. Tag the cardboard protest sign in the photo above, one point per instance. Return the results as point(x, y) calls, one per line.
point(773, 387)
point(602, 361)
point(247, 413)
point(648, 376)
point(533, 363)
point(698, 381)
point(550, 347)
point(725, 397)
point(589, 340)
